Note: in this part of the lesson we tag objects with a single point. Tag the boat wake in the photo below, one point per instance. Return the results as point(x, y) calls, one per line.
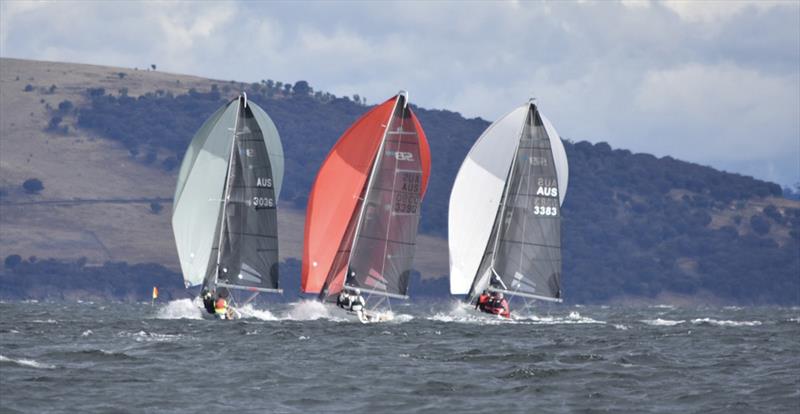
point(461, 312)
point(249, 312)
point(181, 309)
point(308, 310)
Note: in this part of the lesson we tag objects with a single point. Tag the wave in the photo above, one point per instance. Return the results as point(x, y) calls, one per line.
point(572, 318)
point(26, 363)
point(662, 322)
point(715, 322)
point(143, 336)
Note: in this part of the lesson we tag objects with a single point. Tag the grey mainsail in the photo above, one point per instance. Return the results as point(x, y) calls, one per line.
point(248, 255)
point(383, 249)
point(523, 256)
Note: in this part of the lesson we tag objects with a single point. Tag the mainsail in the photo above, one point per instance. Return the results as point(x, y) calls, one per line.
point(364, 207)
point(508, 238)
point(224, 216)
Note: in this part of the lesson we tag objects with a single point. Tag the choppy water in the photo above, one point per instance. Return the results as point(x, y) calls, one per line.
point(87, 357)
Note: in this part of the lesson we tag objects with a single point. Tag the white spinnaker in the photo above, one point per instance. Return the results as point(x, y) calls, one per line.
point(199, 192)
point(559, 157)
point(478, 189)
point(476, 195)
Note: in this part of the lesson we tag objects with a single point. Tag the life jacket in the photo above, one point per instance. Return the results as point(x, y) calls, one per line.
point(483, 299)
point(220, 307)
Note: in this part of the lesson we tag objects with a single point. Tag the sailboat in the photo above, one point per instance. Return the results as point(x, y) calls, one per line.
point(505, 213)
point(224, 212)
point(364, 209)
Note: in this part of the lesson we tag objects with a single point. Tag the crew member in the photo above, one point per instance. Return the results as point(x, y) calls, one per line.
point(501, 306)
point(357, 302)
point(483, 301)
point(343, 300)
point(221, 308)
point(208, 301)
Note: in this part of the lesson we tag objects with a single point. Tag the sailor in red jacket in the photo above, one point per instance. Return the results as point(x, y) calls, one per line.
point(501, 306)
point(494, 304)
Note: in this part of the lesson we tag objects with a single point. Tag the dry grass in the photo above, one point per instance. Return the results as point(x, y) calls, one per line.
point(84, 166)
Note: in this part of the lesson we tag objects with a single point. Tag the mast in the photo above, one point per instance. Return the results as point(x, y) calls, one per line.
point(372, 174)
point(227, 190)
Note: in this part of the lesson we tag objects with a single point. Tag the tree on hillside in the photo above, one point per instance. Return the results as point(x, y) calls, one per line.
point(12, 261)
point(301, 88)
point(33, 185)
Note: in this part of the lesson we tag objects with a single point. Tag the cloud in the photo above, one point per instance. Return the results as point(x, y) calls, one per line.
point(712, 82)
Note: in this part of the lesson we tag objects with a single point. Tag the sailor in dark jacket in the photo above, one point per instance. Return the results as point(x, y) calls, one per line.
point(208, 301)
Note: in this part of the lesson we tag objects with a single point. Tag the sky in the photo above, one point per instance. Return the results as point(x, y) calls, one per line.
point(712, 82)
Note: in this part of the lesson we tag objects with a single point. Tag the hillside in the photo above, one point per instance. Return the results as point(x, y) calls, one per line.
point(105, 142)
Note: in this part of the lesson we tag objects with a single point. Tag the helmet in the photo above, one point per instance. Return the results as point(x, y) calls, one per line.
point(221, 303)
point(500, 295)
point(357, 291)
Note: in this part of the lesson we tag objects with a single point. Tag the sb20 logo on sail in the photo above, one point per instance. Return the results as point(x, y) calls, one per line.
point(400, 155)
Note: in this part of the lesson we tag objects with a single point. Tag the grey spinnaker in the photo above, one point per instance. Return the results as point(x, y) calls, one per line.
point(224, 217)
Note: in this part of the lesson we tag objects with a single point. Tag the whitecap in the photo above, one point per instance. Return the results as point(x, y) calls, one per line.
point(143, 336)
point(44, 321)
point(87, 332)
point(620, 327)
point(26, 363)
point(716, 322)
point(662, 322)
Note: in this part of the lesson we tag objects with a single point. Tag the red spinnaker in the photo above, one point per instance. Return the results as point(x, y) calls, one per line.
point(334, 199)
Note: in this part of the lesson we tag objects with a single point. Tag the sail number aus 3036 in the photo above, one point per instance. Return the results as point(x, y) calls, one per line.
point(262, 202)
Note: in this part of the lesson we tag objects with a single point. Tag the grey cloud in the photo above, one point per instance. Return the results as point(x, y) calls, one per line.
point(653, 77)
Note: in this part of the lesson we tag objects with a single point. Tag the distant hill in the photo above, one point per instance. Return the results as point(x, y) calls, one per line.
point(636, 227)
